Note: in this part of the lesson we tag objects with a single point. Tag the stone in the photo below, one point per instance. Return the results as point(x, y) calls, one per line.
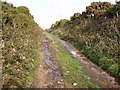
point(74, 84)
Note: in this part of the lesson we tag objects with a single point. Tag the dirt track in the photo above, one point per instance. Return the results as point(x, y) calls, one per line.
point(48, 74)
point(96, 74)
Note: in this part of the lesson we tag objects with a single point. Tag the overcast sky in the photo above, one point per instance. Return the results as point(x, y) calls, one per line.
point(47, 12)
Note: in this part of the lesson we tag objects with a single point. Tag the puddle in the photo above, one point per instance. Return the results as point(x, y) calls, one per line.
point(50, 71)
point(83, 61)
point(64, 44)
point(53, 69)
point(48, 61)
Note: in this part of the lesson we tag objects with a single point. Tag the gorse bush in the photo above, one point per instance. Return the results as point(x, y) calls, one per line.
point(19, 46)
point(95, 33)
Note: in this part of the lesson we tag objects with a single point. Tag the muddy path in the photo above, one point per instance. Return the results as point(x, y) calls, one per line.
point(96, 74)
point(48, 74)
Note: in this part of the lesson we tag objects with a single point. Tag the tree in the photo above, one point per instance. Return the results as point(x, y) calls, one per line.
point(113, 10)
point(23, 9)
point(63, 22)
point(75, 16)
point(98, 9)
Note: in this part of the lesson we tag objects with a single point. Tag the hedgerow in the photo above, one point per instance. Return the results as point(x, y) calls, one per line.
point(95, 33)
point(20, 37)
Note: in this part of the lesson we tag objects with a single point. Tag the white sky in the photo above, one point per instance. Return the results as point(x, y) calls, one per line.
point(47, 12)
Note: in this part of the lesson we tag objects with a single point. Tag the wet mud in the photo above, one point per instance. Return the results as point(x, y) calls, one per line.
point(53, 70)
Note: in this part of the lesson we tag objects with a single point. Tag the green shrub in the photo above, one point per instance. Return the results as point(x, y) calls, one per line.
point(20, 51)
